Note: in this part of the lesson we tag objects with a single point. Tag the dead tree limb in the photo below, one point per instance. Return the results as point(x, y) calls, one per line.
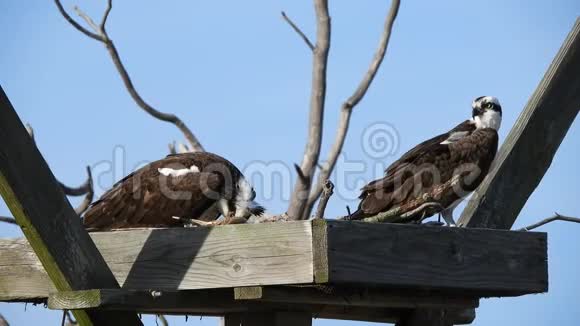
point(350, 103)
point(327, 191)
point(8, 220)
point(85, 189)
point(100, 34)
point(298, 31)
point(317, 98)
point(556, 217)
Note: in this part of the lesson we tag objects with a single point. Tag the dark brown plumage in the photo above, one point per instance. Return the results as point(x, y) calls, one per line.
point(149, 198)
point(436, 174)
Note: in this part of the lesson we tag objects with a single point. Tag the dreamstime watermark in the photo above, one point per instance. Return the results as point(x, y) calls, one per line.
point(274, 180)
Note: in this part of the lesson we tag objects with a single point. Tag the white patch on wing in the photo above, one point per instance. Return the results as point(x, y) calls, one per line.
point(489, 119)
point(455, 136)
point(169, 172)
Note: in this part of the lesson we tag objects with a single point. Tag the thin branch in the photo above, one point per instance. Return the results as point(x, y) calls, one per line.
point(87, 20)
point(317, 97)
point(102, 36)
point(8, 220)
point(75, 24)
point(298, 30)
point(85, 189)
point(102, 29)
point(163, 320)
point(84, 205)
point(350, 103)
point(326, 193)
point(556, 217)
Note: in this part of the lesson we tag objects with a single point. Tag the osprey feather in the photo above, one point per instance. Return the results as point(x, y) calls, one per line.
point(437, 174)
point(179, 187)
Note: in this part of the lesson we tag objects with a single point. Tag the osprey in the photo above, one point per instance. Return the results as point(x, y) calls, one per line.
point(172, 190)
point(437, 174)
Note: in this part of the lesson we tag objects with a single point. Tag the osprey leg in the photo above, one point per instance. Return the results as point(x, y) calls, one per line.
point(448, 217)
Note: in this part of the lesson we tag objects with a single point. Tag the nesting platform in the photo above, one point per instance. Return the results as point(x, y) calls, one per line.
point(328, 269)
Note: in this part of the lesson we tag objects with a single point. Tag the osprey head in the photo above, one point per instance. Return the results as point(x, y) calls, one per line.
point(242, 203)
point(486, 112)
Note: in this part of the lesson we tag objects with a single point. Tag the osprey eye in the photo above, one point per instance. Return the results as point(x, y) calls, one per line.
point(489, 105)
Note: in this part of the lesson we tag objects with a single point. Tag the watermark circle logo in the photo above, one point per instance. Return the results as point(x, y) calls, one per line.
point(380, 140)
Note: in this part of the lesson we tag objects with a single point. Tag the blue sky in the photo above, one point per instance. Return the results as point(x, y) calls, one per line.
point(240, 78)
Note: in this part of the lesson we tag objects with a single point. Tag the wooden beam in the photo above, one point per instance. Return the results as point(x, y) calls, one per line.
point(474, 262)
point(459, 261)
point(532, 143)
point(351, 296)
point(50, 224)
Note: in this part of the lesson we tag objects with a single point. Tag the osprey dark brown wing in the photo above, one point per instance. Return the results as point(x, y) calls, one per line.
point(147, 198)
point(435, 175)
point(199, 186)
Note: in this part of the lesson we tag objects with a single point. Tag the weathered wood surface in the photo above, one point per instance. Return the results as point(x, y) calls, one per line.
point(352, 296)
point(50, 224)
point(169, 259)
point(527, 152)
point(474, 261)
point(441, 260)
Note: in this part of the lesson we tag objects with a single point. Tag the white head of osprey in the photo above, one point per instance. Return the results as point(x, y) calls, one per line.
point(274, 180)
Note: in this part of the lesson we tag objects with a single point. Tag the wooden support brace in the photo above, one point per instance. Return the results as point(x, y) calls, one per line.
point(528, 150)
point(49, 223)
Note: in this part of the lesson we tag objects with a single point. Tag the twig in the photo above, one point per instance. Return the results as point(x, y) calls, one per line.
point(317, 98)
point(88, 20)
point(327, 191)
point(102, 36)
point(350, 103)
point(8, 220)
point(163, 320)
point(85, 189)
point(75, 24)
point(556, 217)
point(84, 205)
point(298, 30)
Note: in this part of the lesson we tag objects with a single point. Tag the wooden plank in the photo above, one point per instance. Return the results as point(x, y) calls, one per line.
point(532, 143)
point(169, 259)
point(50, 224)
point(320, 250)
point(202, 301)
point(352, 296)
point(474, 261)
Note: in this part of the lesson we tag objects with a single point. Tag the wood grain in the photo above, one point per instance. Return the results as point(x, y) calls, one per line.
point(351, 296)
point(471, 261)
point(46, 218)
point(532, 143)
point(169, 259)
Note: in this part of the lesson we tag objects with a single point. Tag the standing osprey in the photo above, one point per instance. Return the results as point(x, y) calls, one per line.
point(437, 174)
point(179, 187)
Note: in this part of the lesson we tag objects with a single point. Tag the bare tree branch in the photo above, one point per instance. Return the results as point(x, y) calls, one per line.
point(87, 19)
point(75, 24)
point(8, 220)
point(103, 36)
point(556, 217)
point(327, 191)
point(298, 30)
point(317, 98)
point(84, 205)
point(350, 103)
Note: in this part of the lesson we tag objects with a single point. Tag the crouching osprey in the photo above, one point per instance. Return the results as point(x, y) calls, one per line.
point(437, 174)
point(172, 190)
